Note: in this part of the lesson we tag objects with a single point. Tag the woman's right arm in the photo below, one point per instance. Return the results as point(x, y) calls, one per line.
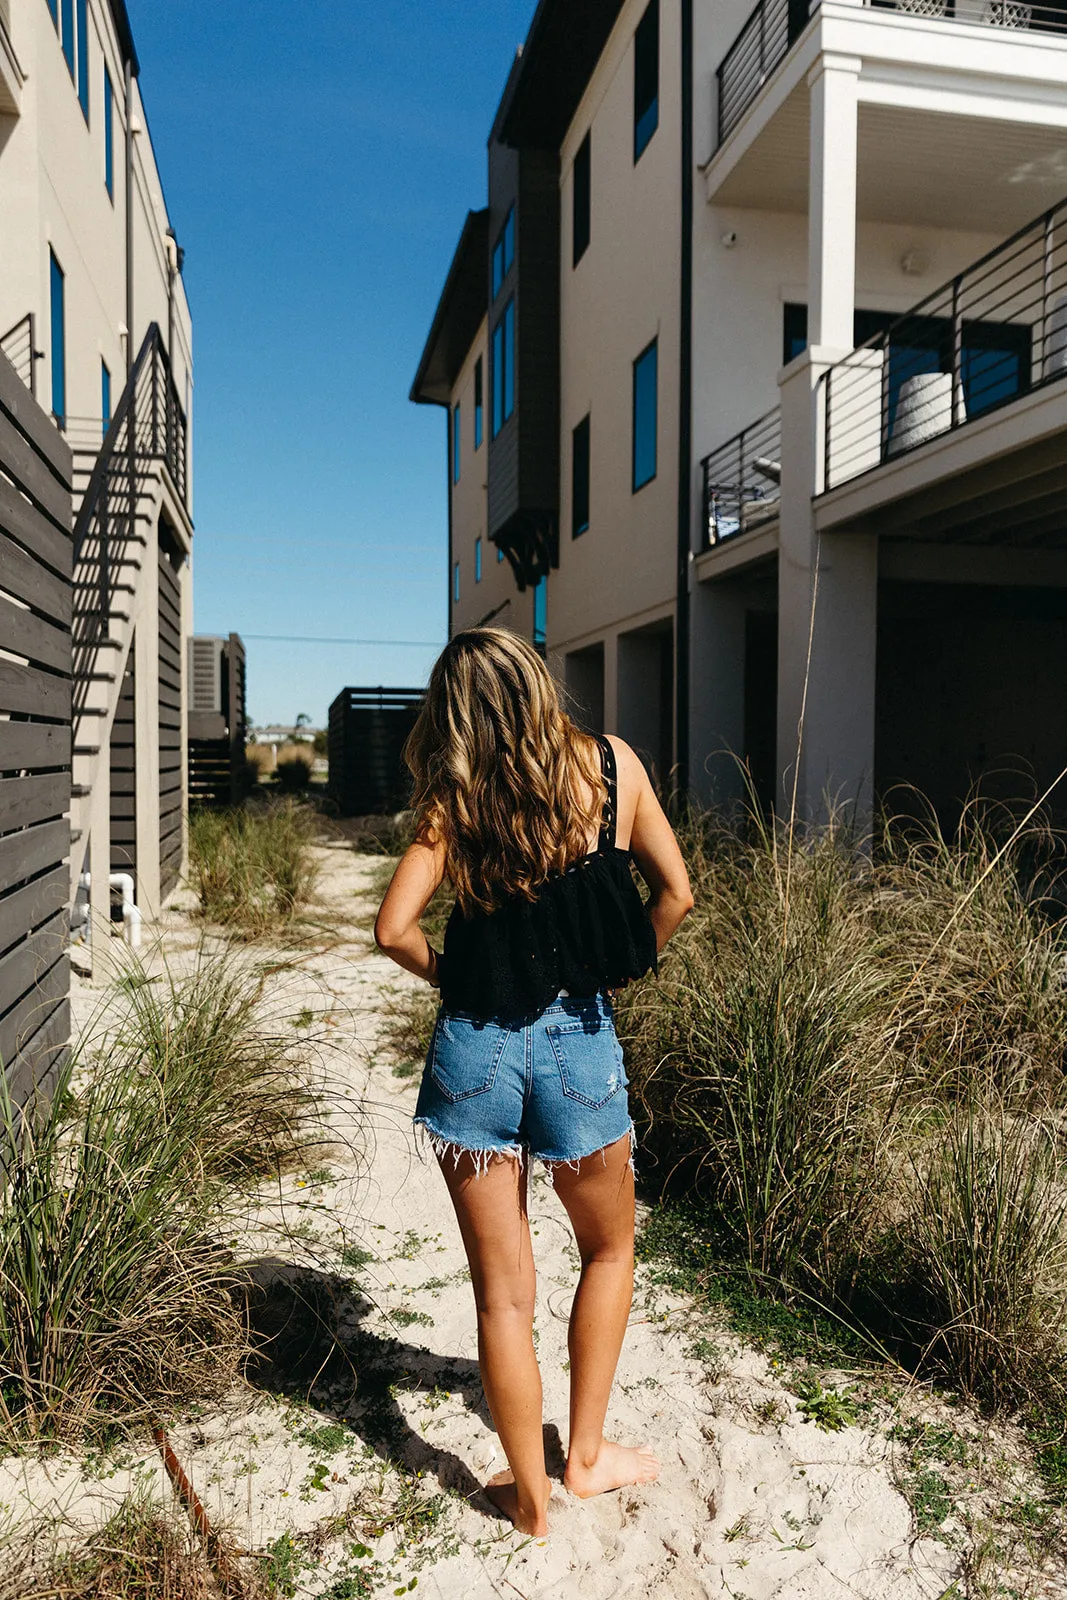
point(655, 849)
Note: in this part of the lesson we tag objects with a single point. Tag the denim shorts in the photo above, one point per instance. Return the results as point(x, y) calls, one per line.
point(553, 1088)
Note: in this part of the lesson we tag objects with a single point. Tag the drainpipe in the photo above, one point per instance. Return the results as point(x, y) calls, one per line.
point(129, 216)
point(685, 418)
point(131, 912)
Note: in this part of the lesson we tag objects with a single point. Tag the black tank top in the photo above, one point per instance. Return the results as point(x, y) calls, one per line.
point(586, 930)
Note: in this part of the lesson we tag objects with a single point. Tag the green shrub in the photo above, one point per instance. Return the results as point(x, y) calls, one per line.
point(293, 775)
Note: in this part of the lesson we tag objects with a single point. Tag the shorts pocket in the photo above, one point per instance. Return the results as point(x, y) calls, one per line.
point(465, 1055)
point(589, 1058)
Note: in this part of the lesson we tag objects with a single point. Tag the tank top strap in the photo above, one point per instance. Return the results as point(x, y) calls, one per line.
point(610, 818)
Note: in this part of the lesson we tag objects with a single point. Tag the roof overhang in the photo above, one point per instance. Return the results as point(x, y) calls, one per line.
point(564, 44)
point(459, 314)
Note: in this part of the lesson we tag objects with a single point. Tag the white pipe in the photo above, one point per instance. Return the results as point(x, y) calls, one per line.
point(131, 912)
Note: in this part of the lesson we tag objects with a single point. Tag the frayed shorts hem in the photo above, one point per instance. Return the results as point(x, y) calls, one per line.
point(443, 1146)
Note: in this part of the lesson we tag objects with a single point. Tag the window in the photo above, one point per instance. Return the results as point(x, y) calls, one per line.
point(644, 447)
point(83, 56)
point(504, 252)
point(580, 478)
point(995, 363)
point(540, 616)
point(502, 375)
point(53, 6)
point(581, 198)
point(477, 561)
point(67, 37)
point(455, 581)
point(499, 553)
point(455, 446)
point(646, 79)
point(109, 135)
point(479, 406)
point(105, 394)
point(58, 331)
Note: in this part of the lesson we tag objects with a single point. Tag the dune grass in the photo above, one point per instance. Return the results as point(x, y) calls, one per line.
point(252, 867)
point(853, 1064)
point(120, 1301)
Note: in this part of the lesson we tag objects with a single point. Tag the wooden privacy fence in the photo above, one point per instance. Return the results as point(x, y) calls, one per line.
point(367, 732)
point(218, 766)
point(35, 736)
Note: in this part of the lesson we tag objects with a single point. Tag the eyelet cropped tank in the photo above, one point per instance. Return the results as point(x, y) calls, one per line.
point(586, 930)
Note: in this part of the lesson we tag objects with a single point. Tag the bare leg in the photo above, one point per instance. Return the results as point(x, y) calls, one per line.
point(599, 1198)
point(491, 1210)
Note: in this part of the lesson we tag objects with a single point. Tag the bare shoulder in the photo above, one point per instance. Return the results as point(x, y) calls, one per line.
point(631, 769)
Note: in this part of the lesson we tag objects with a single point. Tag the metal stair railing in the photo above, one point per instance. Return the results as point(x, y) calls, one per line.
point(148, 426)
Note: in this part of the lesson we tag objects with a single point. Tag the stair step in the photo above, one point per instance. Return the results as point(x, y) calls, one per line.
point(93, 711)
point(75, 835)
point(103, 677)
point(80, 791)
point(86, 749)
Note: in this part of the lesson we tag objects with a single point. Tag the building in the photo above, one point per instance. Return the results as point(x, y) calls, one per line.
point(95, 336)
point(798, 334)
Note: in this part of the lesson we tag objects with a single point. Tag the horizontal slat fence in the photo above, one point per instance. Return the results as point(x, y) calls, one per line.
point(35, 737)
point(368, 728)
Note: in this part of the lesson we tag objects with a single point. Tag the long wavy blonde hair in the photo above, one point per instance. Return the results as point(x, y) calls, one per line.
point(502, 774)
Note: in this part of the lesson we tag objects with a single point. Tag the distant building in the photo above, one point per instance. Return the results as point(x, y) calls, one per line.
point(662, 437)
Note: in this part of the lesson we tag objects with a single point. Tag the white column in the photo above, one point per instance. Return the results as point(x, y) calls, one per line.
point(185, 592)
point(833, 85)
point(827, 627)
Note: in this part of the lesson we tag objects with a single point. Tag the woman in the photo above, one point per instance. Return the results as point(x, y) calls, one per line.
point(534, 824)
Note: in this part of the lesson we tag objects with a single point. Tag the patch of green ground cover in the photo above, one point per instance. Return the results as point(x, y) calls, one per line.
point(681, 1254)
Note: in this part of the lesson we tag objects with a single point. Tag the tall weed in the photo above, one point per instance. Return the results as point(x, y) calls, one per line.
point(252, 867)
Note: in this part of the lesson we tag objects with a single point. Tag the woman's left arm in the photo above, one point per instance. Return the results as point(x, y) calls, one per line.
point(396, 928)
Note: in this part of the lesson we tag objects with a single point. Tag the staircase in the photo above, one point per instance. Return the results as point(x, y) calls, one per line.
point(119, 488)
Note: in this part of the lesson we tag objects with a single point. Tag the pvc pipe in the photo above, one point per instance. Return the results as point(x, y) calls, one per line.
point(131, 912)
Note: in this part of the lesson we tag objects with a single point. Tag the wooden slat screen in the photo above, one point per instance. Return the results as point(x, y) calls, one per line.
point(367, 731)
point(124, 774)
point(35, 737)
point(171, 731)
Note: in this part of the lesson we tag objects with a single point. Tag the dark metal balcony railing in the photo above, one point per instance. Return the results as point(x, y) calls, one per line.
point(19, 345)
point(741, 480)
point(997, 331)
point(773, 27)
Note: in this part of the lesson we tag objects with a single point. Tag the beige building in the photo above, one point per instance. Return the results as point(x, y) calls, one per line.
point(93, 317)
point(777, 425)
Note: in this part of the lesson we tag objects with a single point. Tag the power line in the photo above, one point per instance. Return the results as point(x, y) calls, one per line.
point(308, 638)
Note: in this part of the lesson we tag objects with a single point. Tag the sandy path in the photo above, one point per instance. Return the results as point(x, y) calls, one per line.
point(753, 1500)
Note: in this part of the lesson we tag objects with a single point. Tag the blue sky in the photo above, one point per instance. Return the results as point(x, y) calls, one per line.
point(318, 160)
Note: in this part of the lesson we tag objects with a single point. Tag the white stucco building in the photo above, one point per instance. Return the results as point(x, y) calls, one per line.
point(720, 511)
point(94, 319)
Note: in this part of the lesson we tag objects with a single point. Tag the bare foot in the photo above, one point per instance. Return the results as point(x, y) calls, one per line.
point(614, 1467)
point(502, 1492)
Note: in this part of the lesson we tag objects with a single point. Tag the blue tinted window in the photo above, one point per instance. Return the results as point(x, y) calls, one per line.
point(105, 394)
point(509, 359)
point(59, 337)
point(540, 617)
point(477, 561)
point(504, 252)
point(68, 33)
point(455, 445)
point(83, 56)
point(503, 368)
point(109, 135)
point(455, 582)
point(479, 406)
point(646, 79)
point(500, 552)
point(644, 450)
point(53, 6)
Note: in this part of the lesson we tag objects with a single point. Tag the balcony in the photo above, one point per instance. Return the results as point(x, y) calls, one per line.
point(742, 481)
point(951, 422)
point(11, 74)
point(772, 29)
point(960, 117)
